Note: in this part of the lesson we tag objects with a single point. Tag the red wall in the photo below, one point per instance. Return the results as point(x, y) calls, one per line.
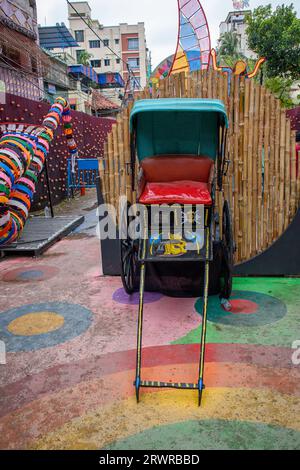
point(90, 134)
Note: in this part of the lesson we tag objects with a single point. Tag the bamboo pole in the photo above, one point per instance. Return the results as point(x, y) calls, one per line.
point(209, 84)
point(266, 172)
point(183, 87)
point(287, 170)
point(260, 167)
point(111, 169)
point(176, 86)
point(127, 155)
point(276, 170)
point(116, 165)
point(104, 174)
point(271, 172)
point(198, 84)
point(293, 205)
point(189, 86)
point(122, 162)
point(101, 166)
point(236, 105)
point(255, 169)
point(204, 84)
point(244, 221)
point(281, 172)
point(161, 89)
point(219, 86)
point(250, 174)
point(241, 166)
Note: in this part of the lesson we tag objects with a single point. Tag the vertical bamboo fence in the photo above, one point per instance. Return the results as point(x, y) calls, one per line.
point(262, 185)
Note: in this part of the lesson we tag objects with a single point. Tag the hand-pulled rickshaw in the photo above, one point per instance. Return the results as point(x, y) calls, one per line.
point(179, 145)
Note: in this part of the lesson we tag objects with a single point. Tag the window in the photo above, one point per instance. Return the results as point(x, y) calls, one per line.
point(78, 54)
point(79, 36)
point(117, 41)
point(135, 83)
point(95, 44)
point(96, 63)
point(133, 62)
point(107, 62)
point(133, 44)
point(106, 42)
point(118, 61)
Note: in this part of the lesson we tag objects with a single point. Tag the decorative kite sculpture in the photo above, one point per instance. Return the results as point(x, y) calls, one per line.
point(193, 44)
point(22, 159)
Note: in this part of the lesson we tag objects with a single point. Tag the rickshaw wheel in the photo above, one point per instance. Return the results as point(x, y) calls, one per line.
point(129, 255)
point(228, 251)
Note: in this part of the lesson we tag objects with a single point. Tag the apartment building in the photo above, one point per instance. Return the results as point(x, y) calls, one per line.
point(236, 22)
point(21, 60)
point(128, 42)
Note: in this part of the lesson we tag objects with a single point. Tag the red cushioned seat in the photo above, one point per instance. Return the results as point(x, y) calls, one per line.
point(176, 192)
point(176, 179)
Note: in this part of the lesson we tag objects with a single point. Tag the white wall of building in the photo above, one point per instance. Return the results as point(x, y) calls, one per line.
point(235, 22)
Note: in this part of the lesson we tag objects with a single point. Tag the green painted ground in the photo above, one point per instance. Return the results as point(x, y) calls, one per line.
point(212, 435)
point(278, 332)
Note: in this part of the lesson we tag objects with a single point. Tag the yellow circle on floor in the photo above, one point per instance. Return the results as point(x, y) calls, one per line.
point(37, 323)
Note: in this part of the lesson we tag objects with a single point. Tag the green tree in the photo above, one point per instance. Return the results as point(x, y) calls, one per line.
point(84, 58)
point(229, 45)
point(281, 88)
point(276, 36)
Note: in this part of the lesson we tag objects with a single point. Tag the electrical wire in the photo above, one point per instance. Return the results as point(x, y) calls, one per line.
point(130, 71)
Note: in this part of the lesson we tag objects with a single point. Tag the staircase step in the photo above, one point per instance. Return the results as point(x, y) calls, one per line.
point(156, 384)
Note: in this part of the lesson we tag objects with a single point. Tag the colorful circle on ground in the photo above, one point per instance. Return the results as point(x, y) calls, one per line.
point(30, 274)
point(37, 323)
point(212, 434)
point(248, 309)
point(121, 297)
point(243, 306)
point(40, 326)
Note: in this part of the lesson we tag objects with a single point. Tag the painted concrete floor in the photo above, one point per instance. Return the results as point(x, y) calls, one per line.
point(70, 336)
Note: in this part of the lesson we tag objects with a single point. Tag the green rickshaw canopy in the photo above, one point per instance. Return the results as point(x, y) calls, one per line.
point(177, 126)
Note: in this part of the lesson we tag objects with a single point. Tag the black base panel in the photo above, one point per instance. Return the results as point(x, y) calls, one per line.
point(281, 259)
point(186, 279)
point(175, 279)
point(40, 234)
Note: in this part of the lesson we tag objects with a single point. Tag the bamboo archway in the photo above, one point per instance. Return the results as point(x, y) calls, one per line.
point(262, 184)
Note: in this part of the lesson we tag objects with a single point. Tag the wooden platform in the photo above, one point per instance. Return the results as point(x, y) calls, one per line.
point(41, 233)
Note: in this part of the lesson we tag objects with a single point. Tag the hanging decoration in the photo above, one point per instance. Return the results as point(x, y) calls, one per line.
point(240, 4)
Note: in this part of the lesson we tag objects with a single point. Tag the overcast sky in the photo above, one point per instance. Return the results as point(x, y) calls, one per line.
point(160, 17)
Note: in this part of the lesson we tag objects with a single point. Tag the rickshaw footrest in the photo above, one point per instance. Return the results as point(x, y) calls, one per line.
point(178, 385)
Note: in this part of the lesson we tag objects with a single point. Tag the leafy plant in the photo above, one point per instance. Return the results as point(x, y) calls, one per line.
point(84, 58)
point(281, 88)
point(229, 45)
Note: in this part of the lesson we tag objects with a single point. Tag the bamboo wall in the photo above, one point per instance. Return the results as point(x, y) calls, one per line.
point(261, 184)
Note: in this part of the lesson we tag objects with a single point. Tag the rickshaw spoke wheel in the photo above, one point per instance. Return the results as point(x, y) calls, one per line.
point(228, 251)
point(129, 255)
